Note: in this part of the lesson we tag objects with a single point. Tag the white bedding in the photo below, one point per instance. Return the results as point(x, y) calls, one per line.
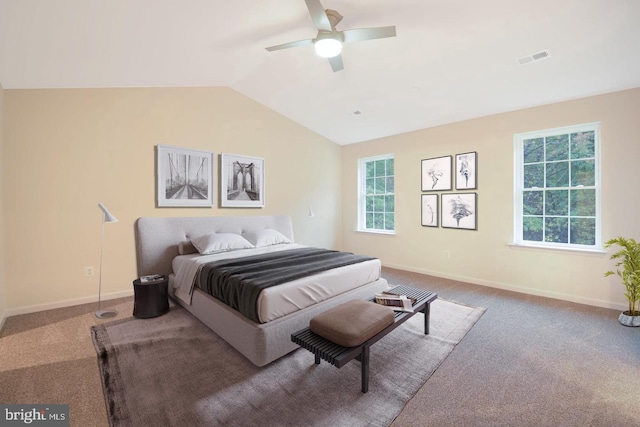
point(283, 299)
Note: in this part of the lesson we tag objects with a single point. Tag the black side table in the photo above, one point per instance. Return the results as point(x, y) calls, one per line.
point(151, 299)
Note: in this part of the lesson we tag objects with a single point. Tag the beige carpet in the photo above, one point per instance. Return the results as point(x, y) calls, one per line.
point(529, 362)
point(174, 371)
point(47, 357)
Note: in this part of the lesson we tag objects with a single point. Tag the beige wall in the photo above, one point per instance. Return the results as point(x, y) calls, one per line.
point(63, 151)
point(485, 256)
point(67, 150)
point(3, 298)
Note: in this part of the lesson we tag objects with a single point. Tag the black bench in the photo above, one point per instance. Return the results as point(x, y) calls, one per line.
point(339, 356)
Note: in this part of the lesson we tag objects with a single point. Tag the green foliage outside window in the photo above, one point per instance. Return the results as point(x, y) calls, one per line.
point(558, 188)
point(379, 203)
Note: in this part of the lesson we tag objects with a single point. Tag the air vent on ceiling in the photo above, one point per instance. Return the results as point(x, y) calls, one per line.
point(534, 57)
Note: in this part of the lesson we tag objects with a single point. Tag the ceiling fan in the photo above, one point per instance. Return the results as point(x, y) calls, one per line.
point(328, 42)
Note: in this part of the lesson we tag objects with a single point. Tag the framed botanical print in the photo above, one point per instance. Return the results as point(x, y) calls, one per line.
point(460, 210)
point(241, 181)
point(466, 171)
point(429, 210)
point(184, 177)
point(436, 174)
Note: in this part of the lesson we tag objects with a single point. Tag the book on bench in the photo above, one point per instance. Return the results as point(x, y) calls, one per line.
point(395, 301)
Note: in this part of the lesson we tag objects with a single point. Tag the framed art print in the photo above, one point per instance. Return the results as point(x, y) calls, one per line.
point(436, 174)
point(459, 210)
point(184, 177)
point(429, 210)
point(466, 171)
point(241, 181)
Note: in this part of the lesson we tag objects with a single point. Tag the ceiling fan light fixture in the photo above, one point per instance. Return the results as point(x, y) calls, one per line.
point(328, 47)
point(328, 42)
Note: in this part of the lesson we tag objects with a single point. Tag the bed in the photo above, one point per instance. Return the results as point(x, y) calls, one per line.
point(160, 244)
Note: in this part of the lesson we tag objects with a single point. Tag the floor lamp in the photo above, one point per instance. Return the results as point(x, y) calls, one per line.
point(106, 217)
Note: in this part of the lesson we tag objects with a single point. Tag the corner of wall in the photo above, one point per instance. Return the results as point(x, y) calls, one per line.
point(302, 170)
point(3, 294)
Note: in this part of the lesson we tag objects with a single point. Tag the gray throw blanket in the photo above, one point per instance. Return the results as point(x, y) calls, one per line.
point(238, 282)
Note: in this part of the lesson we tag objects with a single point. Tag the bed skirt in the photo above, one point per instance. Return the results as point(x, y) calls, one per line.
point(263, 343)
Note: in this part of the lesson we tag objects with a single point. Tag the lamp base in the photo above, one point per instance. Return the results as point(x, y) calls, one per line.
point(105, 314)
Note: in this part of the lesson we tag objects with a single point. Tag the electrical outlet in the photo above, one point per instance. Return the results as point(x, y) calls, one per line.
point(447, 254)
point(88, 271)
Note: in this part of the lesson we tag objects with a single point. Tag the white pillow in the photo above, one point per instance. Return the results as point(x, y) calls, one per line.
point(266, 237)
point(220, 242)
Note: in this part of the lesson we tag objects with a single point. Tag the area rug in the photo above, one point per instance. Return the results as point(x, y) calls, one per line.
point(174, 371)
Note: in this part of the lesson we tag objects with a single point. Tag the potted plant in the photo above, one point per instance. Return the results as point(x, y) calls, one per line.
point(628, 268)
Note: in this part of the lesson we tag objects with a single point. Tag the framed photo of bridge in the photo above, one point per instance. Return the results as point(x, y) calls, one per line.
point(184, 177)
point(241, 181)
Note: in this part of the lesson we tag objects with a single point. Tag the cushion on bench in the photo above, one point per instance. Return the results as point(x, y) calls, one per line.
point(352, 323)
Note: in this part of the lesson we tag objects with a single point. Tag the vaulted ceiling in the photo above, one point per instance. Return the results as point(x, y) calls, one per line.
point(451, 60)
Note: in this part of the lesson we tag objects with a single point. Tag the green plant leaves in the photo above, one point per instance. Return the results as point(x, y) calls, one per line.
point(628, 268)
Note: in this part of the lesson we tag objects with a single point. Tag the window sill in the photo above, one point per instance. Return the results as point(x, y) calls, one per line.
point(384, 232)
point(594, 251)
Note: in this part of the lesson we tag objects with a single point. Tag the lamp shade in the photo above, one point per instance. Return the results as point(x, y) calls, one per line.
point(108, 217)
point(328, 47)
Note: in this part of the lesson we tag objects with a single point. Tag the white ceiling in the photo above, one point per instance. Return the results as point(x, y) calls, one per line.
point(451, 60)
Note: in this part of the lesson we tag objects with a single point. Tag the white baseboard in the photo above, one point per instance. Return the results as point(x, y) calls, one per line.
point(64, 303)
point(515, 288)
point(473, 280)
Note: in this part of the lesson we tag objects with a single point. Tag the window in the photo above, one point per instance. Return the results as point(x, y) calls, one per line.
point(557, 183)
point(376, 203)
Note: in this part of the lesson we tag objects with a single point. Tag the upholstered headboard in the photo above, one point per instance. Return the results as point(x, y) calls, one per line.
point(157, 239)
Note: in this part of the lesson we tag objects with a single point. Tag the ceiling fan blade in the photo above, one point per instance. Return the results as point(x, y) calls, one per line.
point(361, 34)
point(336, 63)
point(308, 42)
point(318, 15)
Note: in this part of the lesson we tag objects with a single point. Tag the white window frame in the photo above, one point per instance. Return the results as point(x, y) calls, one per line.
point(362, 187)
point(519, 184)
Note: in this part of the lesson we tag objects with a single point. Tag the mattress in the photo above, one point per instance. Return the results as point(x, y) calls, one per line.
point(284, 299)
